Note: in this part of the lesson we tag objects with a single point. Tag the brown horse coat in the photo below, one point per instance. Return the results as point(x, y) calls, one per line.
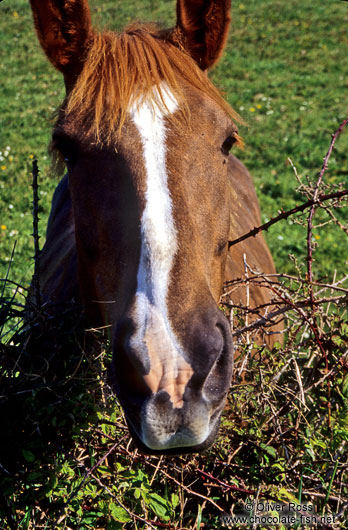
point(58, 261)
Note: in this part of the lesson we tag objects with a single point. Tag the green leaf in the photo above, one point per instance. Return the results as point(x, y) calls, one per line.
point(104, 470)
point(269, 450)
point(118, 513)
point(344, 328)
point(92, 517)
point(137, 493)
point(284, 494)
point(34, 476)
point(53, 481)
point(199, 517)
point(141, 476)
point(337, 340)
point(174, 500)
point(159, 506)
point(319, 443)
point(28, 455)
point(278, 466)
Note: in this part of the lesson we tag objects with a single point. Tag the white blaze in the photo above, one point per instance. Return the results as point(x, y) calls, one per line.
point(169, 370)
point(159, 239)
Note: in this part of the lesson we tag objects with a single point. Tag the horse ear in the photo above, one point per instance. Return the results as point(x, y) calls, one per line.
point(204, 26)
point(64, 29)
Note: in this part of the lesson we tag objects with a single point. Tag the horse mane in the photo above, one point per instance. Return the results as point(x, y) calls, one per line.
point(123, 68)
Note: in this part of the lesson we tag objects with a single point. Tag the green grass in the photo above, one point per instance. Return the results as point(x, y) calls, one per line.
point(285, 70)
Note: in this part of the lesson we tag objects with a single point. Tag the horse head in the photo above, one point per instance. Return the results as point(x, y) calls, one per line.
point(146, 140)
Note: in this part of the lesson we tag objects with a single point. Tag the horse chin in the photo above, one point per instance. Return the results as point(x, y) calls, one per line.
point(199, 448)
point(149, 439)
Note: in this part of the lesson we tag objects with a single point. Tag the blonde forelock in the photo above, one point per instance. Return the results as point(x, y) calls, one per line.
point(123, 68)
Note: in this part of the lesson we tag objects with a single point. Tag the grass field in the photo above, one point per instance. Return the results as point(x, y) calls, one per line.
point(285, 71)
point(285, 434)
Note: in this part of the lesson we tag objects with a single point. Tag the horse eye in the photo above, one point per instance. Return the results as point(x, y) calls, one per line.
point(69, 152)
point(67, 148)
point(227, 145)
point(70, 160)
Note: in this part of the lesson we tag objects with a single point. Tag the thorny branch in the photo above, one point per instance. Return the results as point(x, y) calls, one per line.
point(314, 324)
point(285, 214)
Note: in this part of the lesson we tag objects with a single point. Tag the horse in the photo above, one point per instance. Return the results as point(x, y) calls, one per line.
point(140, 224)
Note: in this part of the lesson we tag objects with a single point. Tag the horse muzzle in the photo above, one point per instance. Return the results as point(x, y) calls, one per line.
point(173, 390)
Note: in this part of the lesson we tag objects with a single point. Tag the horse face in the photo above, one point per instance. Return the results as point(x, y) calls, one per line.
point(173, 331)
point(151, 223)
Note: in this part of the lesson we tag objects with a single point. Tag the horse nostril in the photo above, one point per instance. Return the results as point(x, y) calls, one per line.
point(212, 342)
point(220, 347)
point(130, 363)
point(225, 329)
point(219, 376)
